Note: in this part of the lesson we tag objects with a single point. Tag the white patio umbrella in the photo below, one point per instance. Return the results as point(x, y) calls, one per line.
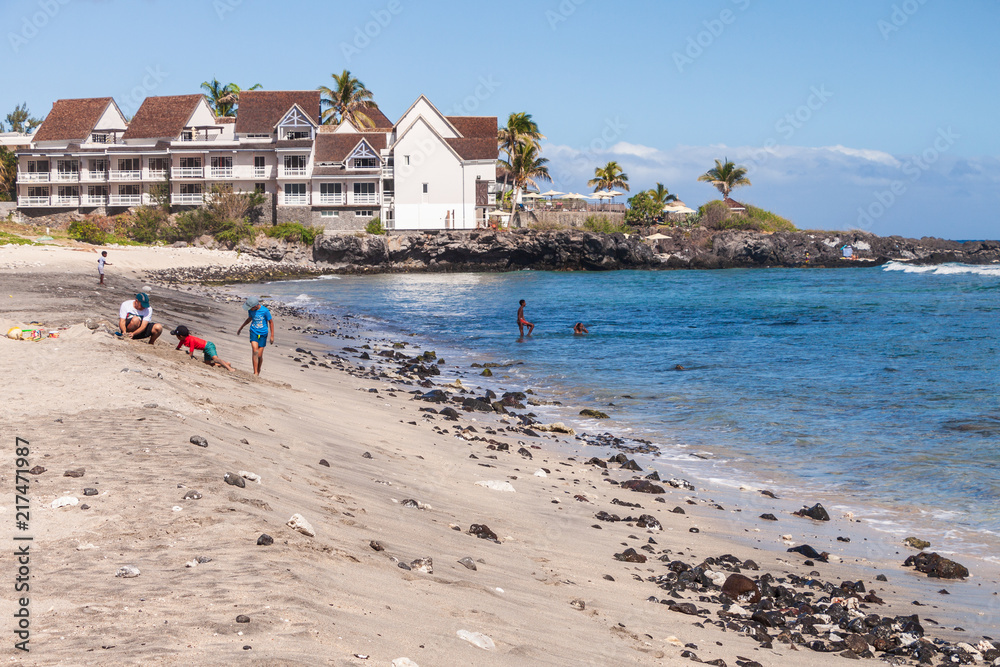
point(551, 193)
point(600, 195)
point(677, 209)
point(532, 195)
point(573, 195)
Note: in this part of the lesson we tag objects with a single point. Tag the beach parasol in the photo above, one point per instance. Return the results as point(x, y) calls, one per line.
point(551, 193)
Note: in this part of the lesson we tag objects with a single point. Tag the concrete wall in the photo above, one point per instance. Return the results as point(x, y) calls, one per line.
point(570, 218)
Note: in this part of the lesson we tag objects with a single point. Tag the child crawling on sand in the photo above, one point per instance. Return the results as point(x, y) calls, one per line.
point(184, 337)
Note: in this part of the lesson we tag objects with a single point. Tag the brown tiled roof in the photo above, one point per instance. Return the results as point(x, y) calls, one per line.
point(328, 171)
point(336, 147)
point(295, 143)
point(381, 121)
point(224, 120)
point(72, 119)
point(475, 126)
point(261, 110)
point(476, 148)
point(162, 117)
point(734, 205)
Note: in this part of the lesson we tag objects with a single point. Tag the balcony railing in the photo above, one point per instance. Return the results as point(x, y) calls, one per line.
point(364, 199)
point(95, 176)
point(296, 200)
point(33, 177)
point(67, 176)
point(156, 174)
point(222, 172)
point(293, 171)
point(33, 201)
point(261, 172)
point(63, 200)
point(126, 200)
point(126, 175)
point(387, 172)
point(188, 198)
point(188, 172)
point(94, 200)
point(332, 200)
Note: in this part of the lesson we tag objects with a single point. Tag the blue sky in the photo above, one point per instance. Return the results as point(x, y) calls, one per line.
point(873, 114)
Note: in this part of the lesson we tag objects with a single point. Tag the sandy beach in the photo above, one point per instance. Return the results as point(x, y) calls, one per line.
point(383, 485)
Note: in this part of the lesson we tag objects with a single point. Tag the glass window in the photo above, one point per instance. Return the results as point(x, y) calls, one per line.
point(329, 188)
point(364, 188)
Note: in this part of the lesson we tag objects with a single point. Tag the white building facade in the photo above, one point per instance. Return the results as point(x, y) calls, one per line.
point(425, 171)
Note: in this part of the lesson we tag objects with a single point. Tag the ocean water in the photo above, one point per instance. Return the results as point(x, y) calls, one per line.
point(875, 386)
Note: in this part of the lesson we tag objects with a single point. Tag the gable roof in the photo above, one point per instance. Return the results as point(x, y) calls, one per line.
point(260, 110)
point(162, 117)
point(475, 126)
point(475, 148)
point(332, 147)
point(433, 108)
point(72, 119)
point(381, 121)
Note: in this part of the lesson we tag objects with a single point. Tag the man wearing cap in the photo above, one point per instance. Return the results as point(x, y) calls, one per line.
point(135, 319)
point(259, 319)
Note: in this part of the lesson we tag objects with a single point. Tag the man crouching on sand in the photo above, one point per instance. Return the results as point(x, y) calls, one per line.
point(135, 319)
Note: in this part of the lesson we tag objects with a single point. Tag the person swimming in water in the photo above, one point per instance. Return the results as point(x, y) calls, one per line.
point(521, 322)
point(579, 329)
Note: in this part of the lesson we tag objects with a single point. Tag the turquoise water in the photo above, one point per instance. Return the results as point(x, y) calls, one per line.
point(877, 384)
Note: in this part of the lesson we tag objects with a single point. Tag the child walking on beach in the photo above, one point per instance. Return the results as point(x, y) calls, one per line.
point(260, 321)
point(102, 261)
point(184, 337)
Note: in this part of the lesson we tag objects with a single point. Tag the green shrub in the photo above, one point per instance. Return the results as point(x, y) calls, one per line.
point(375, 227)
point(13, 239)
point(546, 226)
point(146, 225)
point(293, 231)
point(87, 231)
point(769, 222)
point(236, 231)
point(603, 225)
point(191, 224)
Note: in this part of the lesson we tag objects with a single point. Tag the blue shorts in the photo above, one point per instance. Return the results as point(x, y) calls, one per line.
point(260, 339)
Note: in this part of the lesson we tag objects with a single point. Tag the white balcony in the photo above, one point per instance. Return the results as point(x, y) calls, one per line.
point(126, 200)
point(68, 176)
point(296, 200)
point(156, 174)
point(332, 200)
point(62, 200)
point(94, 200)
point(33, 201)
point(188, 198)
point(222, 172)
point(262, 172)
point(126, 175)
point(91, 176)
point(188, 172)
point(387, 172)
point(293, 171)
point(33, 177)
point(364, 199)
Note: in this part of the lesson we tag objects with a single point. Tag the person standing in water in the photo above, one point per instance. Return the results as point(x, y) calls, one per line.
point(579, 329)
point(521, 322)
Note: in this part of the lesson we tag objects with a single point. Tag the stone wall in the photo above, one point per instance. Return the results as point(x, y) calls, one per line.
point(57, 218)
point(567, 219)
point(6, 208)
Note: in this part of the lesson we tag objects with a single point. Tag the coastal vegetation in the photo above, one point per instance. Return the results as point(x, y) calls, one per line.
point(8, 175)
point(661, 196)
point(717, 216)
point(20, 120)
point(295, 232)
point(224, 99)
point(609, 177)
point(375, 227)
point(643, 208)
point(603, 225)
point(347, 100)
point(726, 177)
point(524, 166)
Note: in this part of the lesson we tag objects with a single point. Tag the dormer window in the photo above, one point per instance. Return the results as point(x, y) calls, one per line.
point(100, 138)
point(365, 163)
point(187, 135)
point(294, 135)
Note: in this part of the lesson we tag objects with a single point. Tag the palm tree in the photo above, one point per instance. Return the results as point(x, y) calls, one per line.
point(609, 177)
point(661, 195)
point(346, 101)
point(525, 168)
point(224, 98)
point(520, 129)
point(726, 176)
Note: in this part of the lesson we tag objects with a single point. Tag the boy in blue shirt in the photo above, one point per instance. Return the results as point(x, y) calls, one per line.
point(259, 319)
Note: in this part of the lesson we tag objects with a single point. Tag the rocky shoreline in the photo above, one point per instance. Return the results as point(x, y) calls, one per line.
point(574, 250)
